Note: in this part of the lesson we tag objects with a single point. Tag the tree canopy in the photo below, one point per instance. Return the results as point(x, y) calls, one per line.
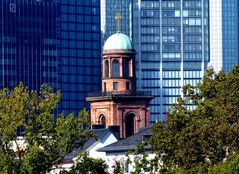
point(206, 135)
point(86, 164)
point(47, 137)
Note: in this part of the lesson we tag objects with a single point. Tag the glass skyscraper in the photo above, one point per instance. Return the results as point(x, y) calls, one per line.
point(174, 45)
point(171, 38)
point(55, 42)
point(109, 10)
point(224, 34)
point(80, 52)
point(28, 51)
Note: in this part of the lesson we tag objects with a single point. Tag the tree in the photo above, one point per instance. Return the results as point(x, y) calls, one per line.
point(86, 164)
point(46, 139)
point(142, 161)
point(231, 166)
point(194, 139)
point(118, 168)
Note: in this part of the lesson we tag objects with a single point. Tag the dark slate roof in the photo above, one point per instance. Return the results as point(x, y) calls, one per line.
point(129, 143)
point(99, 133)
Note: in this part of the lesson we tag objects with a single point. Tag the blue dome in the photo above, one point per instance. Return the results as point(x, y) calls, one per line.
point(118, 41)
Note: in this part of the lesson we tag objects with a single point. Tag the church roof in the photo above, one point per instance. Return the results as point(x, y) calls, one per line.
point(99, 133)
point(129, 143)
point(118, 41)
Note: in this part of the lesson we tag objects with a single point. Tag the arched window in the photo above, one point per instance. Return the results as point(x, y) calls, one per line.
point(102, 120)
point(106, 68)
point(115, 71)
point(129, 125)
point(126, 67)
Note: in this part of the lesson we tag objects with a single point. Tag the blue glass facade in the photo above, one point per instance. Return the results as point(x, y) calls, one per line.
point(230, 34)
point(109, 11)
point(224, 34)
point(80, 52)
point(28, 50)
point(55, 42)
point(171, 38)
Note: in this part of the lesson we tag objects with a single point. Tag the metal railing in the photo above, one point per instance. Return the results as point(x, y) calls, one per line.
point(119, 93)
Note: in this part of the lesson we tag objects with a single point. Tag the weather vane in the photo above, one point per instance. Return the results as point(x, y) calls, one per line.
point(118, 18)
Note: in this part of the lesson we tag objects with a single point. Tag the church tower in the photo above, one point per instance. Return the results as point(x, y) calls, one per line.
point(119, 103)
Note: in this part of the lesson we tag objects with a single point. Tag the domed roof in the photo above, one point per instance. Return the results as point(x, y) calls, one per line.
point(118, 41)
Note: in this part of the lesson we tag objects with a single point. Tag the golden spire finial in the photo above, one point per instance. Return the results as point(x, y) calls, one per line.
point(118, 18)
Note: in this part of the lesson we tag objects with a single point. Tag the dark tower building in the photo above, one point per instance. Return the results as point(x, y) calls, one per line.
point(28, 38)
point(52, 41)
point(79, 52)
point(119, 104)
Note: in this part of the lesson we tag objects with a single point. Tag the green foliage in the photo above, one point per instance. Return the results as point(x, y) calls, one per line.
point(8, 164)
point(118, 168)
point(47, 140)
point(195, 139)
point(86, 164)
point(141, 161)
point(37, 160)
point(231, 166)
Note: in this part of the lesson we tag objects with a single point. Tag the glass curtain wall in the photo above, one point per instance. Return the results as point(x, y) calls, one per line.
point(172, 41)
point(28, 38)
point(109, 10)
point(80, 52)
point(55, 42)
point(224, 34)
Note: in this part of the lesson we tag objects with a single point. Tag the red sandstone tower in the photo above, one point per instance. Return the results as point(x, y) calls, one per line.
point(119, 104)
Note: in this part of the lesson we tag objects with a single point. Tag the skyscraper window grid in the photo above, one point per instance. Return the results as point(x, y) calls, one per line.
point(171, 39)
point(224, 34)
point(28, 50)
point(55, 42)
point(80, 52)
point(109, 11)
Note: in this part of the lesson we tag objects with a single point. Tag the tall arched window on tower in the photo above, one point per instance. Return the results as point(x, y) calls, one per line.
point(129, 124)
point(102, 120)
point(126, 67)
point(116, 72)
point(106, 68)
